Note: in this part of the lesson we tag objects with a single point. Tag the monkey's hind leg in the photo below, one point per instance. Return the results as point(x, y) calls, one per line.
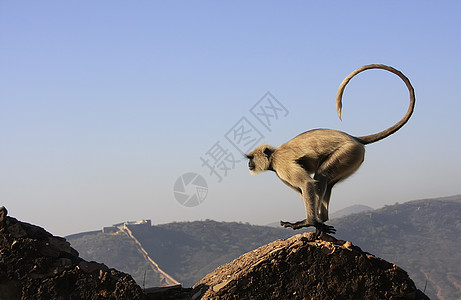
point(340, 165)
point(325, 200)
point(324, 228)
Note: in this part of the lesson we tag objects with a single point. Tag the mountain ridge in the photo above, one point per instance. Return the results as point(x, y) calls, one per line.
point(353, 209)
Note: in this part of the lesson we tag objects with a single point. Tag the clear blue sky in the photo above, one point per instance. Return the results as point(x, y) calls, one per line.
point(104, 104)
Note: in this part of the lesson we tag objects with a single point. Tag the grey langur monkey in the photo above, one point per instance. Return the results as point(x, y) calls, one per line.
point(314, 161)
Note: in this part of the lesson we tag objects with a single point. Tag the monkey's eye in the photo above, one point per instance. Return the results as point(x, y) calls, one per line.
point(250, 156)
point(268, 152)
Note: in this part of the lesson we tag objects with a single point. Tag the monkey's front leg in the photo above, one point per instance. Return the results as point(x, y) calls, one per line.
point(319, 227)
point(310, 198)
point(297, 225)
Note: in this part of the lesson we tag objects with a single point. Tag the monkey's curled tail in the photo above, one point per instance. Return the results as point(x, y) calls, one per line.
point(383, 134)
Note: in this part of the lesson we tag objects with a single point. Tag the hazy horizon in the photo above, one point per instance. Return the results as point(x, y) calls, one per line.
point(106, 105)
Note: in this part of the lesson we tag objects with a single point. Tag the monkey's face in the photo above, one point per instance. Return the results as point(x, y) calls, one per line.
point(259, 159)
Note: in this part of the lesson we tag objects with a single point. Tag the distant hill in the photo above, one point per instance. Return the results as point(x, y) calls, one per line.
point(190, 250)
point(118, 250)
point(353, 209)
point(422, 237)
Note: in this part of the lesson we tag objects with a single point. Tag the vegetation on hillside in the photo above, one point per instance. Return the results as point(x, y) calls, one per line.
point(116, 251)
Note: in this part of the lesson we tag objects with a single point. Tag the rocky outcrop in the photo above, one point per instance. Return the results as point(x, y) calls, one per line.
point(303, 268)
point(34, 264)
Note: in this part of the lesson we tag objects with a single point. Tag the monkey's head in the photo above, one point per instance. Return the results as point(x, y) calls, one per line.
point(260, 159)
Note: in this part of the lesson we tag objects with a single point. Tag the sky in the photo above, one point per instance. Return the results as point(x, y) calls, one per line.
point(114, 111)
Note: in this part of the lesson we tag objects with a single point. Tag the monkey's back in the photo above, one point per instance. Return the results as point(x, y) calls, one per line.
point(316, 144)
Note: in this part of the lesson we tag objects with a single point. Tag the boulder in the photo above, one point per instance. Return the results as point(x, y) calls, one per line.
point(303, 267)
point(34, 264)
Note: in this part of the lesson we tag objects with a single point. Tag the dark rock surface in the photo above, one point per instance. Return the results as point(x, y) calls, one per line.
point(303, 268)
point(34, 264)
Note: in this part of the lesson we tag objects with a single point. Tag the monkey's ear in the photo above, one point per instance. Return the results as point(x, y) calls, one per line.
point(268, 152)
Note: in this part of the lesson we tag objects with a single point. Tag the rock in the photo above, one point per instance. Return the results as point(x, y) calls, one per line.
point(303, 268)
point(17, 231)
point(92, 267)
point(34, 264)
point(3, 214)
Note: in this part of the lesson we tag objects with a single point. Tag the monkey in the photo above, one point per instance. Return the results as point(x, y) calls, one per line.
point(314, 161)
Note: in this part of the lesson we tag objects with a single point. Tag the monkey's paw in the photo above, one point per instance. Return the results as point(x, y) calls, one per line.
point(321, 227)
